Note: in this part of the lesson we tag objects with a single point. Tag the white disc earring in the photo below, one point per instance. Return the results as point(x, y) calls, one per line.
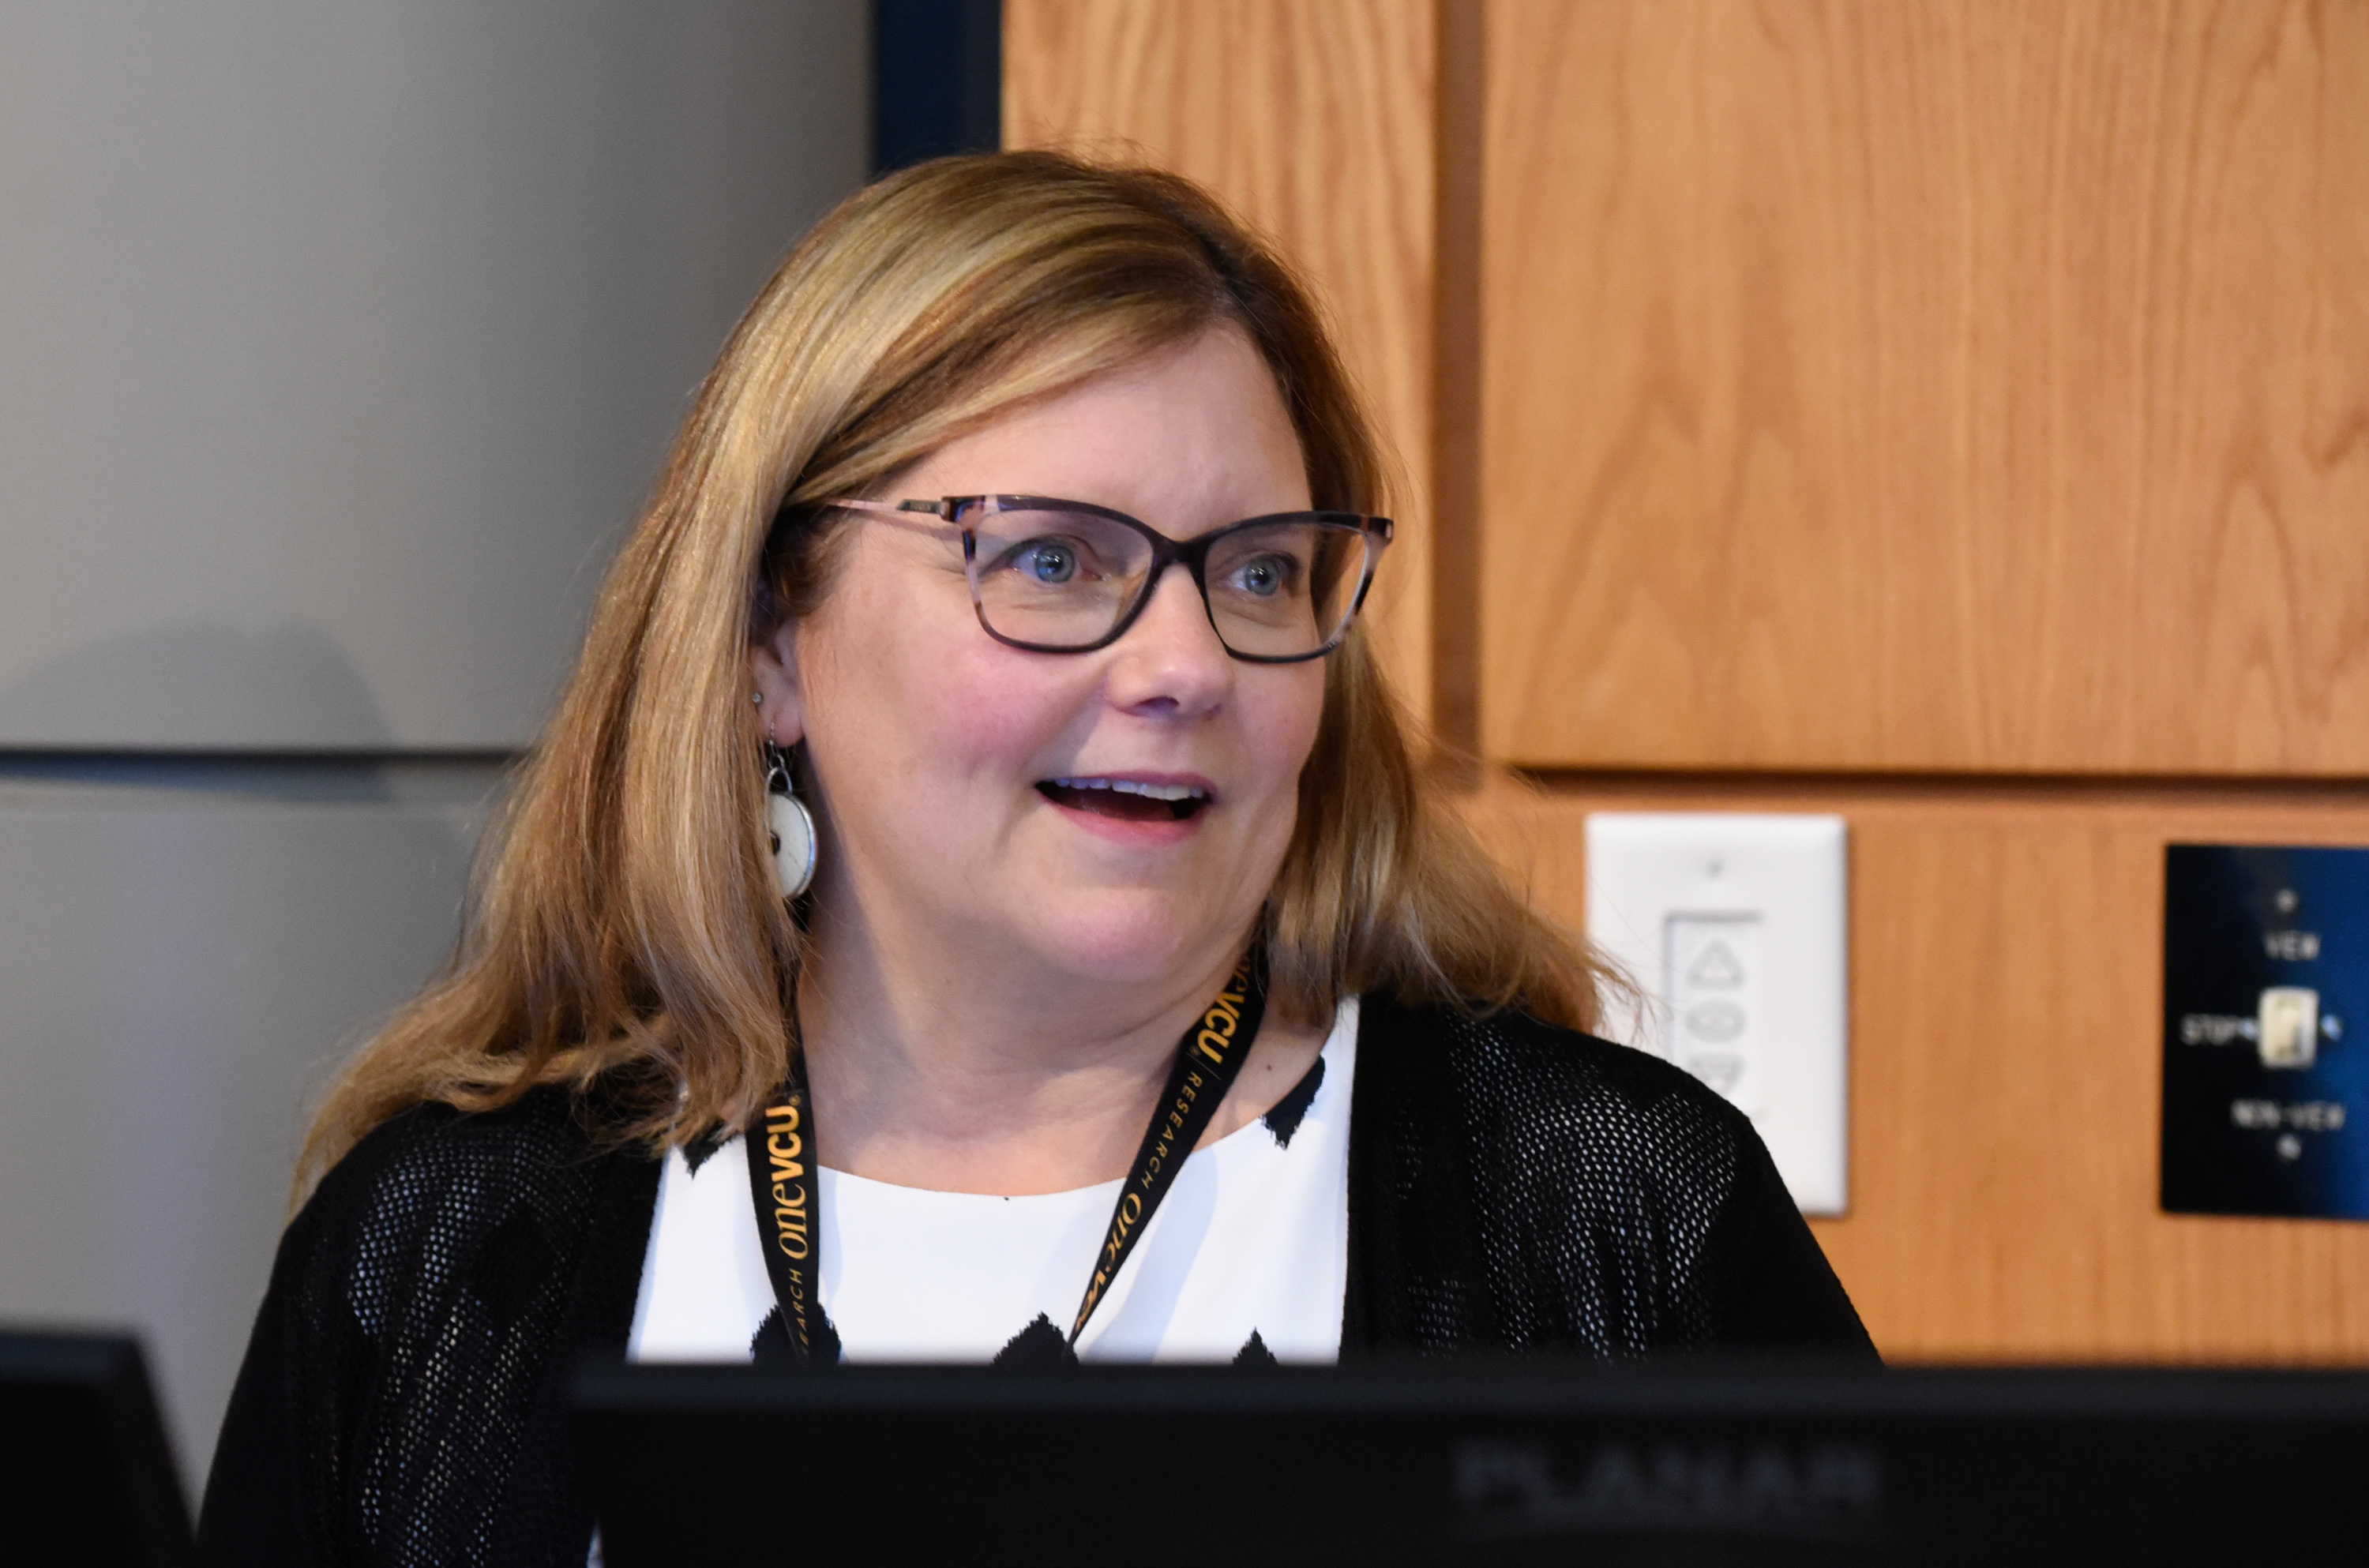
point(791, 826)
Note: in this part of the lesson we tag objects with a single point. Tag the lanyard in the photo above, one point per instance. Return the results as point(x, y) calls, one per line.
point(782, 1179)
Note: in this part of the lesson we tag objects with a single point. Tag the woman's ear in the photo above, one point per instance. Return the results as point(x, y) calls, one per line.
point(773, 671)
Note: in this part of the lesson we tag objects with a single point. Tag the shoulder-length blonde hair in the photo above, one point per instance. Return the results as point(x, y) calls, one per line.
point(624, 934)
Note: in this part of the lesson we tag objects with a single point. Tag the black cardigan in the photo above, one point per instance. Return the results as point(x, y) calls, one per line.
point(1512, 1188)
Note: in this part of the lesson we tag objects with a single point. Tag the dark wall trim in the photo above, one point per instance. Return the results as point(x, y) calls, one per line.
point(937, 79)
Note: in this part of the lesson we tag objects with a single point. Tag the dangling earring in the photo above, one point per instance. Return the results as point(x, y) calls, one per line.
point(791, 827)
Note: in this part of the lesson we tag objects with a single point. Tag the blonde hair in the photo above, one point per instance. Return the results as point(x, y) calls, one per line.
point(624, 934)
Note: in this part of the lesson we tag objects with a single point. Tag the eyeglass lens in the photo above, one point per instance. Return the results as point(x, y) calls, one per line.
point(1062, 579)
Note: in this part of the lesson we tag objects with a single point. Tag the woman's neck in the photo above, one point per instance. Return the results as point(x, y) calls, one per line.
point(991, 1079)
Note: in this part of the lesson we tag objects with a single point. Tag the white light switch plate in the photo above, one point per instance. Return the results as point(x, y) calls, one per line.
point(1733, 929)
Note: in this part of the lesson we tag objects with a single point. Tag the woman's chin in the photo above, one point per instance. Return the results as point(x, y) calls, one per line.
point(1132, 939)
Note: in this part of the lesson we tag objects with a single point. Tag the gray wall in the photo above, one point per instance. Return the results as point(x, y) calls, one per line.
point(183, 951)
point(340, 338)
point(338, 345)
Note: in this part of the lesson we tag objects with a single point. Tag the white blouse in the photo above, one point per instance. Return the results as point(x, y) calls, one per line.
point(1252, 1242)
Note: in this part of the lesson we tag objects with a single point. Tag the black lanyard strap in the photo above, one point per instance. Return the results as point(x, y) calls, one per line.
point(789, 1205)
point(787, 1194)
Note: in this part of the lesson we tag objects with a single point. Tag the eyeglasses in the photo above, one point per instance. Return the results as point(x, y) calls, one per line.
point(1068, 577)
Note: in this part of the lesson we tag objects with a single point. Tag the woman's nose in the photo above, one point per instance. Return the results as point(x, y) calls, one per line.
point(1171, 658)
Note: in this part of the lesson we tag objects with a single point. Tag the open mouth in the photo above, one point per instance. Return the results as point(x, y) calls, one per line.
point(1126, 799)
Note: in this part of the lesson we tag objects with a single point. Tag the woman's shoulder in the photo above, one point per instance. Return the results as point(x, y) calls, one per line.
point(1506, 1070)
point(431, 1293)
point(436, 1152)
point(465, 1186)
point(1614, 1203)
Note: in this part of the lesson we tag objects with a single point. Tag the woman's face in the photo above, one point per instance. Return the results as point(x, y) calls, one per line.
point(962, 782)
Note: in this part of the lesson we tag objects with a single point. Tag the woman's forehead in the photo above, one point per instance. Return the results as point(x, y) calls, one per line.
point(1187, 436)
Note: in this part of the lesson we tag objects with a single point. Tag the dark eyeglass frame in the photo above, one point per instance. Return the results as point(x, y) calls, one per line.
point(1191, 553)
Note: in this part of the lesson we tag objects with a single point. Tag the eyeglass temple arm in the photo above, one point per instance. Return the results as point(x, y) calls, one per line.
point(890, 508)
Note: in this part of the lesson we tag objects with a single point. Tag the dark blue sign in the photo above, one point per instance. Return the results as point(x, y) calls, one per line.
point(2265, 1083)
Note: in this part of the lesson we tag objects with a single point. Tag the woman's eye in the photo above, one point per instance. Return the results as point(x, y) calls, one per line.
point(1264, 576)
point(1048, 561)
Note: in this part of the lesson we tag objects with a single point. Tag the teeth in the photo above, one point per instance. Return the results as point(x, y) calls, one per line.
point(1130, 786)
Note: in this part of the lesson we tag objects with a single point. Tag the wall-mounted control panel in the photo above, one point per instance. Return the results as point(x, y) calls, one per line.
point(1733, 929)
point(2265, 966)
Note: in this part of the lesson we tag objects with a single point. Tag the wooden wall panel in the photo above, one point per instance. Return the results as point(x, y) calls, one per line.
point(1950, 412)
point(1315, 120)
point(1949, 385)
point(2006, 1079)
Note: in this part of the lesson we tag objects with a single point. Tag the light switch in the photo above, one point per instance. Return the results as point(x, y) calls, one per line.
point(1733, 930)
point(2287, 1026)
point(1711, 975)
point(2265, 1091)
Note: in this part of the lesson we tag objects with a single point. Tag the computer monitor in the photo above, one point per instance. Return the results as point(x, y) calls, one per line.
point(85, 1474)
point(1517, 1463)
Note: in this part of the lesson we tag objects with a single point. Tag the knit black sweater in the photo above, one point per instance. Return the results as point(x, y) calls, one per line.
point(1512, 1188)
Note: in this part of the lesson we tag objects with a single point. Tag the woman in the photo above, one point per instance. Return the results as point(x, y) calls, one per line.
point(1110, 864)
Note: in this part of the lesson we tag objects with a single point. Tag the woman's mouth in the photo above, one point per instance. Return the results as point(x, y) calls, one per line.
point(1127, 800)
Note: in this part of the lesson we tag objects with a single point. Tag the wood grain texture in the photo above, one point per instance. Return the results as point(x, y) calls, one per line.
point(1315, 120)
point(2005, 1067)
point(1926, 384)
